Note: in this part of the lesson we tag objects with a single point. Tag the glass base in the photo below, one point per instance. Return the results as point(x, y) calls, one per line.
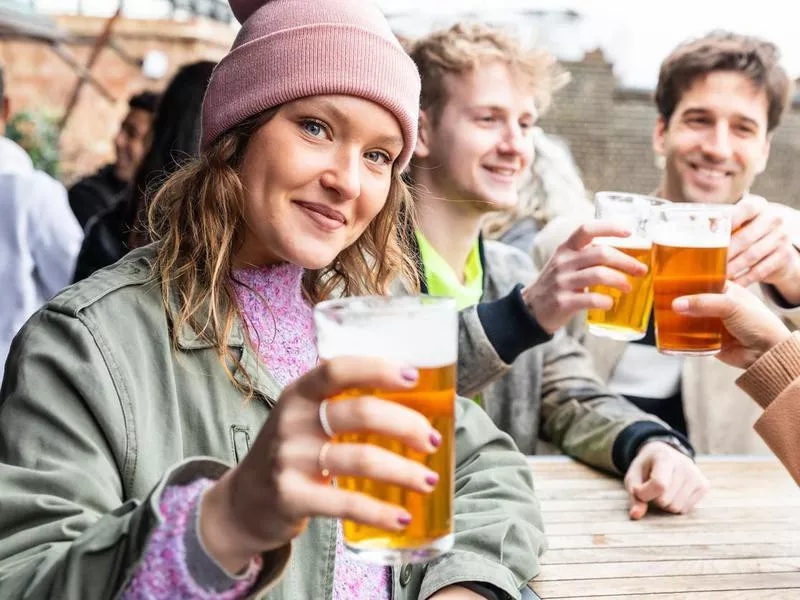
point(368, 552)
point(615, 333)
point(689, 352)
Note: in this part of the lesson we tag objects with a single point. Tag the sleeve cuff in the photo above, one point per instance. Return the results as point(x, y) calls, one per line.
point(630, 440)
point(486, 590)
point(773, 372)
point(202, 567)
point(510, 327)
point(274, 563)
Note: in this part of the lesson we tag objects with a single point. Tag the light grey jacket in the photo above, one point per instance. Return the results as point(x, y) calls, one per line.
point(550, 391)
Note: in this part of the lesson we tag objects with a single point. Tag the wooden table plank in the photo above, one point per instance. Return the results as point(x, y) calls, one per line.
point(660, 568)
point(586, 588)
point(747, 533)
point(743, 541)
point(647, 526)
point(742, 513)
point(670, 553)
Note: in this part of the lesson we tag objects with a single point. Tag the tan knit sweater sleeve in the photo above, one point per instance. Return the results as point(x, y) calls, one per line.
point(774, 382)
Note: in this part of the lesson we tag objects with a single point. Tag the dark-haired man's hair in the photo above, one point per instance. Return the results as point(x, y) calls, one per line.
point(146, 101)
point(2, 84)
point(756, 59)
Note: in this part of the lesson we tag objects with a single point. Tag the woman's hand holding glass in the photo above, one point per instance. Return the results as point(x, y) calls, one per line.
point(265, 502)
point(752, 327)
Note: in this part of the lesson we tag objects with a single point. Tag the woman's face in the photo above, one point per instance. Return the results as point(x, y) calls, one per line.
point(315, 176)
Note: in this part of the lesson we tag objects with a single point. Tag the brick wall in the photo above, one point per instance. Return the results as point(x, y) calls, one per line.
point(609, 131)
point(38, 78)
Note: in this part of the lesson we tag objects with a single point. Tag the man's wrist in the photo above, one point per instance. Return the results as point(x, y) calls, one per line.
point(670, 440)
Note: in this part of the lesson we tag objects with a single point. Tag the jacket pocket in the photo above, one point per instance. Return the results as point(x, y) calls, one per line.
point(240, 440)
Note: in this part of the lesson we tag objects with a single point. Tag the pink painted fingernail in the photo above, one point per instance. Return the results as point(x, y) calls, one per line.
point(435, 439)
point(411, 375)
point(404, 520)
point(432, 479)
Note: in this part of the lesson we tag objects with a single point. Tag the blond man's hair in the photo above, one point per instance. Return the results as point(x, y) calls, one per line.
point(464, 47)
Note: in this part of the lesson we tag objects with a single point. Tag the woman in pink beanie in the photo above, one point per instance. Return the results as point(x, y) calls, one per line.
point(128, 396)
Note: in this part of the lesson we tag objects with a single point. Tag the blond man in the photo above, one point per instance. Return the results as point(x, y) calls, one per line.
point(482, 93)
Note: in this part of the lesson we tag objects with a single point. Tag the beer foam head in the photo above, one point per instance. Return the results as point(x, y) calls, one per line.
point(409, 330)
point(692, 226)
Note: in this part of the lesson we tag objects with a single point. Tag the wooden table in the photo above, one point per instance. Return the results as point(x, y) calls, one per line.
point(742, 541)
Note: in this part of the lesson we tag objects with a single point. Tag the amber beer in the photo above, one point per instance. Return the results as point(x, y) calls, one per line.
point(628, 317)
point(690, 256)
point(420, 331)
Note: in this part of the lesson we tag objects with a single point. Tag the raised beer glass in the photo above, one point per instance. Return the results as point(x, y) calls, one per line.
point(419, 331)
point(690, 256)
point(628, 317)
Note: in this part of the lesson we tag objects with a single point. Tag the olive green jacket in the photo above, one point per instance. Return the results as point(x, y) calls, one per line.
point(98, 413)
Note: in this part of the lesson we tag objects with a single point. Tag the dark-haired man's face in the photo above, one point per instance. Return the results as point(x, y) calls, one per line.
point(716, 141)
point(131, 142)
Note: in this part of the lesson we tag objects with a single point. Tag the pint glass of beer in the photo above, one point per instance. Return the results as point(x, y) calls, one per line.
point(628, 317)
point(690, 256)
point(419, 331)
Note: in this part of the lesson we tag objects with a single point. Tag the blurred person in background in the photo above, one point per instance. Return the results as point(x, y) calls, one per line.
point(175, 138)
point(98, 192)
point(720, 99)
point(39, 236)
point(482, 93)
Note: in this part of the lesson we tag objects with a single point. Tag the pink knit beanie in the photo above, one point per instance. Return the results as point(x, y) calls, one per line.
point(290, 49)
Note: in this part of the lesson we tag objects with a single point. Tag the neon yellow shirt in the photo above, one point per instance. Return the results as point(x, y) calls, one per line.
point(443, 281)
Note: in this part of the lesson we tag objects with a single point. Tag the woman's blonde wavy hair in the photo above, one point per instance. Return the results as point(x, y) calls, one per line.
point(198, 220)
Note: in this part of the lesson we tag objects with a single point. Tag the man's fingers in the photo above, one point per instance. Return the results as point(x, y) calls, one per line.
point(638, 509)
point(599, 275)
point(584, 234)
point(771, 243)
point(746, 209)
point(763, 270)
point(674, 489)
point(657, 482)
point(602, 255)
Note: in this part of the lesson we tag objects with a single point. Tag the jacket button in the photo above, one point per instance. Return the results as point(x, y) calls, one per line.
point(405, 575)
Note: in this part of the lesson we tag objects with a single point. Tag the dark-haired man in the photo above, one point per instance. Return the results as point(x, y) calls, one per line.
point(720, 99)
point(95, 193)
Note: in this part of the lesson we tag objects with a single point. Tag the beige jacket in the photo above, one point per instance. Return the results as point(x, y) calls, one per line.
point(774, 382)
point(720, 416)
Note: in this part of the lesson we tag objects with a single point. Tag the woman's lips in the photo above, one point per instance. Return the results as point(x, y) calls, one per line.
point(326, 218)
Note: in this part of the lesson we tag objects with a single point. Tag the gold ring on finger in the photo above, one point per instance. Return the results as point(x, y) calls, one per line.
point(321, 460)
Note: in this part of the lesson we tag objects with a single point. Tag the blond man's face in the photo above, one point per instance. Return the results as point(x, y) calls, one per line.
point(481, 143)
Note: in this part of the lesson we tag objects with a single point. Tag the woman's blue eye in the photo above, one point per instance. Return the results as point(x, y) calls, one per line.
point(313, 128)
point(378, 157)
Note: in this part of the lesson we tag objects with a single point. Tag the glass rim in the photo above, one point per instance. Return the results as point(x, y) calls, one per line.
point(652, 200)
point(376, 305)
